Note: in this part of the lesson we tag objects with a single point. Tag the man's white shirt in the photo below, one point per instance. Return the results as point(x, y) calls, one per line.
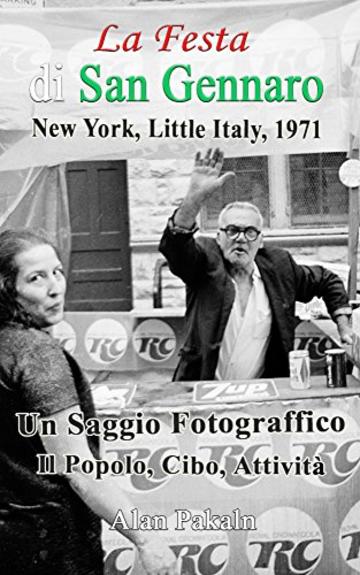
point(246, 337)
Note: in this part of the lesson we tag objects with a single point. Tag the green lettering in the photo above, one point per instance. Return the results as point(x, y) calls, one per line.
point(247, 81)
point(291, 80)
point(273, 93)
point(91, 83)
point(115, 92)
point(223, 81)
point(167, 83)
point(141, 81)
point(319, 89)
point(203, 83)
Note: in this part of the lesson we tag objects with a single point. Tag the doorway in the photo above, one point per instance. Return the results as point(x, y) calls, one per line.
point(100, 265)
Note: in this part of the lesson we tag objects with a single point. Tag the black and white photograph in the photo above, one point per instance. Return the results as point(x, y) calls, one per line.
point(179, 308)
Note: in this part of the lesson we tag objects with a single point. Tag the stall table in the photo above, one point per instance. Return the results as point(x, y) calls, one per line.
point(304, 523)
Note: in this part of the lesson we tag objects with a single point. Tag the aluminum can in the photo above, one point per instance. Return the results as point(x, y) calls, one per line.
point(299, 364)
point(335, 367)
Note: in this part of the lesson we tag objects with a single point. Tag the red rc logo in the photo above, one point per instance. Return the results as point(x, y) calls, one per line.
point(198, 552)
point(349, 538)
point(340, 452)
point(151, 452)
point(229, 456)
point(287, 540)
point(154, 341)
point(65, 334)
point(106, 341)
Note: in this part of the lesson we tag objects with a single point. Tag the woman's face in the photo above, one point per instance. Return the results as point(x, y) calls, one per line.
point(40, 284)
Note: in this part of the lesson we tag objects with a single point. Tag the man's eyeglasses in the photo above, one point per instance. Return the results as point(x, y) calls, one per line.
point(233, 232)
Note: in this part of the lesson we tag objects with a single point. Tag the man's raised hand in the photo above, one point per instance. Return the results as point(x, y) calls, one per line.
point(205, 178)
point(205, 181)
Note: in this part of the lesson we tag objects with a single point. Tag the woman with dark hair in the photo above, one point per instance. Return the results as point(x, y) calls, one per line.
point(49, 523)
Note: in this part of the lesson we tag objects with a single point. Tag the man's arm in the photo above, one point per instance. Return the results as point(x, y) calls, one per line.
point(184, 256)
point(343, 324)
point(316, 281)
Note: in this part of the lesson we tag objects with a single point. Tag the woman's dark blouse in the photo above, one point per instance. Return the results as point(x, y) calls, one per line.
point(44, 526)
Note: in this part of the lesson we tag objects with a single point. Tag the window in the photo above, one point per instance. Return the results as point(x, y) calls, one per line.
point(317, 195)
point(251, 185)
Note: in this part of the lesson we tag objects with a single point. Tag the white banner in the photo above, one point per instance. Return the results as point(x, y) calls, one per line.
point(21, 3)
point(147, 81)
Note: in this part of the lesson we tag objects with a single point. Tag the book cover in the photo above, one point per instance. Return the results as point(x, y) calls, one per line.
point(102, 110)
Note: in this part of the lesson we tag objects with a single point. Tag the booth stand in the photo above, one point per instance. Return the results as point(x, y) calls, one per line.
point(284, 520)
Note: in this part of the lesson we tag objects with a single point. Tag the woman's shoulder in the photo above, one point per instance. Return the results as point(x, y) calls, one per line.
point(30, 354)
point(33, 364)
point(22, 338)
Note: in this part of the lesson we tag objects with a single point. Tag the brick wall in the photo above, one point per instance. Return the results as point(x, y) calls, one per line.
point(155, 189)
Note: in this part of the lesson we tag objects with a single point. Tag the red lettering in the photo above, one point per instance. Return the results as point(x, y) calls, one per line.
point(189, 38)
point(219, 44)
point(242, 45)
point(100, 47)
point(221, 40)
point(131, 42)
point(208, 43)
point(168, 29)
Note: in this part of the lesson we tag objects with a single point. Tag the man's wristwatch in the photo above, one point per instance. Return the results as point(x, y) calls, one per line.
point(175, 229)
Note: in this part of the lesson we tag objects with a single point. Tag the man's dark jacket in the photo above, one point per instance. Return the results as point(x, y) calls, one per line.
point(210, 295)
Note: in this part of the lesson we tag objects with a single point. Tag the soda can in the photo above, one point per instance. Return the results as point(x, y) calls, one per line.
point(335, 367)
point(299, 364)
